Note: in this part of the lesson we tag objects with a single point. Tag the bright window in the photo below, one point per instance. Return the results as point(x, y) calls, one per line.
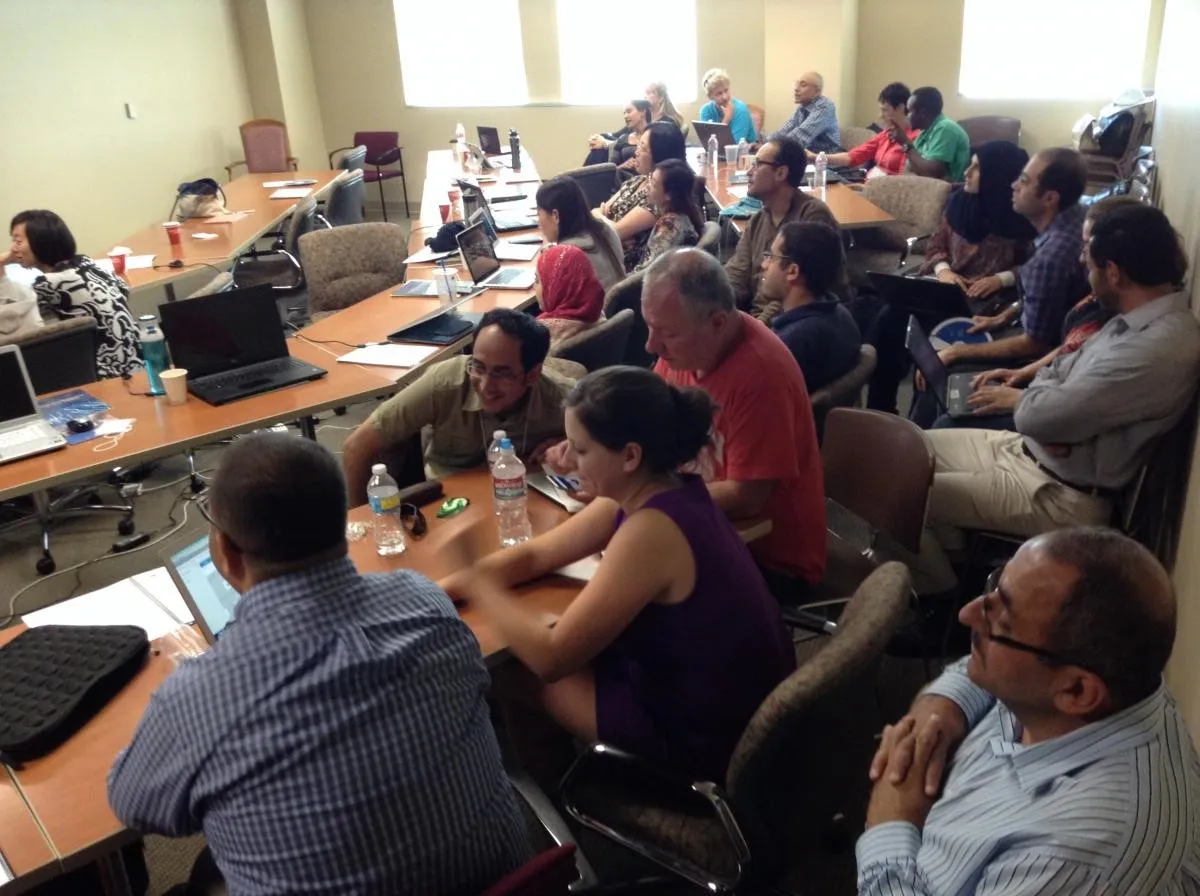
point(461, 52)
point(609, 52)
point(1052, 49)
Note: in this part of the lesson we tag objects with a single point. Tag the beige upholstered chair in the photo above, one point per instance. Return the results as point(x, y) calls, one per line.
point(265, 145)
point(348, 264)
point(600, 346)
point(219, 283)
point(851, 137)
point(916, 203)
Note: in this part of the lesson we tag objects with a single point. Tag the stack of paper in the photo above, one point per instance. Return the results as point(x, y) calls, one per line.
point(390, 354)
point(291, 193)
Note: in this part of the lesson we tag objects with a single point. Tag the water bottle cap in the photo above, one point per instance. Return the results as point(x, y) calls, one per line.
point(506, 444)
point(379, 469)
point(499, 434)
point(147, 318)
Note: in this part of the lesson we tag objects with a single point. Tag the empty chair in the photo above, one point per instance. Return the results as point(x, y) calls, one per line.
point(219, 283)
point(600, 346)
point(345, 205)
point(280, 265)
point(846, 390)
point(348, 264)
point(796, 788)
point(265, 146)
point(598, 182)
point(916, 203)
point(627, 294)
point(984, 128)
point(382, 148)
point(710, 239)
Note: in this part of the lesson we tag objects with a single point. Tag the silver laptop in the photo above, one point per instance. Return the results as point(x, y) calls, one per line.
point(211, 599)
point(506, 250)
point(23, 429)
point(479, 256)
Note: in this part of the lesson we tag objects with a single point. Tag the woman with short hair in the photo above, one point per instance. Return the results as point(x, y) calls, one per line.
point(723, 108)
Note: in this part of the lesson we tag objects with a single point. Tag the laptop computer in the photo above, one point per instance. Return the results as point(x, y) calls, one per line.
point(506, 250)
point(23, 429)
point(489, 140)
point(232, 345)
point(441, 326)
point(211, 599)
point(480, 258)
point(922, 295)
point(475, 199)
point(950, 389)
point(706, 129)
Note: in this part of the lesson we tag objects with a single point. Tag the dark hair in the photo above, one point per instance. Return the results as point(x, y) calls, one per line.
point(679, 183)
point(929, 99)
point(1065, 174)
point(280, 498)
point(895, 94)
point(1140, 240)
point(666, 141)
point(530, 333)
point(644, 107)
point(564, 195)
point(1096, 210)
point(791, 153)
point(49, 238)
point(620, 405)
point(817, 251)
point(1118, 619)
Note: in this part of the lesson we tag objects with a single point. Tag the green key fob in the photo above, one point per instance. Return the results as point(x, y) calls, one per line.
point(452, 507)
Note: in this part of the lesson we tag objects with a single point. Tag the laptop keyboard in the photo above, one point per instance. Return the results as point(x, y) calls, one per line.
point(21, 436)
point(508, 275)
point(255, 373)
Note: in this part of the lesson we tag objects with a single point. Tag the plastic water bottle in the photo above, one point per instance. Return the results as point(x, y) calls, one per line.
point(493, 451)
point(384, 497)
point(713, 149)
point(154, 352)
point(820, 167)
point(743, 151)
point(460, 145)
point(514, 147)
point(508, 487)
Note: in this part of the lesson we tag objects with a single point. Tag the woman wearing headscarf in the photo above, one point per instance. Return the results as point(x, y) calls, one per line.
point(568, 291)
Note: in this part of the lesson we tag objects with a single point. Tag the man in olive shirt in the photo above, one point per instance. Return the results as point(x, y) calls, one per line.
point(775, 179)
point(501, 385)
point(943, 150)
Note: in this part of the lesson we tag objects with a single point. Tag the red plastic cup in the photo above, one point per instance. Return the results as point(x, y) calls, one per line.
point(455, 197)
point(118, 263)
point(444, 211)
point(175, 236)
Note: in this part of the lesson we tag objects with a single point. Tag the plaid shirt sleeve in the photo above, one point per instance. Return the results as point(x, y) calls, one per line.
point(1050, 285)
point(822, 119)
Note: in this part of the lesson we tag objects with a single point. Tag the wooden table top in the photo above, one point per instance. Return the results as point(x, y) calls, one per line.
point(22, 842)
point(851, 209)
point(244, 194)
point(162, 429)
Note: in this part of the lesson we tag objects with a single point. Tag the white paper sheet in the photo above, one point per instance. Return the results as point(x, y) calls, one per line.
point(294, 182)
point(291, 193)
point(138, 262)
point(390, 354)
point(507, 251)
point(427, 254)
point(583, 570)
point(738, 190)
point(122, 603)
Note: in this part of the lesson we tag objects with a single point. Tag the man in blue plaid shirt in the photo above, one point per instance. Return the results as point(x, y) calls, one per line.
point(336, 739)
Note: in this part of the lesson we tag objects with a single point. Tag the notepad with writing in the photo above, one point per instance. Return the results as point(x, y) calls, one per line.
point(390, 354)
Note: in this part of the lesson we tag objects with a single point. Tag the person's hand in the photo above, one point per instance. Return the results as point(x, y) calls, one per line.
point(945, 275)
point(906, 799)
point(812, 156)
point(1002, 376)
point(933, 718)
point(726, 112)
point(456, 585)
point(982, 323)
point(951, 354)
point(919, 381)
point(553, 453)
point(994, 399)
point(9, 257)
point(982, 287)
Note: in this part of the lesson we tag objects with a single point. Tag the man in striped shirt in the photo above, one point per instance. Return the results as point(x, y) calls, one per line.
point(1072, 770)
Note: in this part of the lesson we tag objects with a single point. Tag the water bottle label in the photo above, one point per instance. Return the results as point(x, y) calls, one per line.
point(385, 504)
point(506, 489)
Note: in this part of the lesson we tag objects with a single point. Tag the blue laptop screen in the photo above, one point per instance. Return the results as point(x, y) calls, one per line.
point(212, 597)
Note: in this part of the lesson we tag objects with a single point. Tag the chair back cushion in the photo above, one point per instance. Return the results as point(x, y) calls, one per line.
point(265, 144)
point(598, 182)
point(345, 204)
point(627, 294)
point(382, 146)
point(303, 219)
point(851, 137)
point(984, 128)
point(354, 159)
point(348, 264)
point(915, 202)
point(59, 355)
point(600, 346)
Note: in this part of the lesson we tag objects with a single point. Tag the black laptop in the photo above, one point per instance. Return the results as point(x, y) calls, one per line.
point(442, 326)
point(232, 345)
point(923, 295)
point(950, 389)
point(489, 140)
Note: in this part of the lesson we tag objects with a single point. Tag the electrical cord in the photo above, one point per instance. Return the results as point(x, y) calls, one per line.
point(180, 265)
point(300, 335)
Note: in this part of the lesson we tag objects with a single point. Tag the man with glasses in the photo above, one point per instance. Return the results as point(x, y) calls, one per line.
point(1067, 766)
point(501, 385)
point(775, 179)
point(337, 738)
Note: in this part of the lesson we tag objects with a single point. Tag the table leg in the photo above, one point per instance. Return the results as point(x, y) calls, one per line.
point(169, 289)
point(308, 427)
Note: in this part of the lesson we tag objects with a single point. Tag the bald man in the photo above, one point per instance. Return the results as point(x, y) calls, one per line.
point(814, 124)
point(1072, 770)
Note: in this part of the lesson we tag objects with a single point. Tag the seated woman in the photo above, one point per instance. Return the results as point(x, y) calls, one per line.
point(723, 108)
point(571, 298)
point(619, 146)
point(564, 217)
point(882, 153)
point(629, 208)
point(673, 644)
point(980, 235)
point(71, 285)
point(661, 107)
point(679, 223)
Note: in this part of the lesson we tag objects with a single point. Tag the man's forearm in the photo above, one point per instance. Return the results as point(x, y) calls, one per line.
point(740, 500)
point(1020, 346)
point(918, 164)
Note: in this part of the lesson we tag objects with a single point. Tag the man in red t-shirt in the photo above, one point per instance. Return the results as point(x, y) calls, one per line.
point(764, 460)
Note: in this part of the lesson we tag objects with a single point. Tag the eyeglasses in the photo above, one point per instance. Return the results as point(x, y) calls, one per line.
point(779, 258)
point(478, 370)
point(993, 587)
point(757, 162)
point(205, 508)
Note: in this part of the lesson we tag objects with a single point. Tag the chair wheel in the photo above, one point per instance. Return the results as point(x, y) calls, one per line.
point(125, 527)
point(340, 411)
point(45, 565)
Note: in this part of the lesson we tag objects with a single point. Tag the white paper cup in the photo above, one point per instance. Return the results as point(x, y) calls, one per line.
point(447, 283)
point(175, 382)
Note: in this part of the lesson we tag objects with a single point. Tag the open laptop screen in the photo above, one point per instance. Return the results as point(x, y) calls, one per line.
point(224, 331)
point(16, 402)
point(210, 598)
point(926, 358)
point(478, 254)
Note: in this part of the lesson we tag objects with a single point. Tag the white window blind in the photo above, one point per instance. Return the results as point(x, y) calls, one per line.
point(461, 53)
point(1052, 49)
point(609, 53)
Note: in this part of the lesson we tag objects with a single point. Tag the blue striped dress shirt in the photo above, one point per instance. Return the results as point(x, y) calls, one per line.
point(1112, 808)
point(335, 740)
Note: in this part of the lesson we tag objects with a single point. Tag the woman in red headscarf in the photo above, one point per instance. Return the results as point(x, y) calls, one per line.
point(568, 291)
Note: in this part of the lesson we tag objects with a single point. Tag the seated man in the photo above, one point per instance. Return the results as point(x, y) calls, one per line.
point(1088, 420)
point(943, 150)
point(724, 108)
point(804, 265)
point(814, 124)
point(775, 179)
point(1072, 771)
point(337, 738)
point(501, 385)
point(882, 152)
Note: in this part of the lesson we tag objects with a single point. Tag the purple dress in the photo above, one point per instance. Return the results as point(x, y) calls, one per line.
point(681, 682)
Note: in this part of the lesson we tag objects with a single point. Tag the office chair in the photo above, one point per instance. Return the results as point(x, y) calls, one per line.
point(600, 346)
point(265, 146)
point(383, 148)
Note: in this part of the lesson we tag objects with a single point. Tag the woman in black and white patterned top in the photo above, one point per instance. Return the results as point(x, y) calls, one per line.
point(73, 285)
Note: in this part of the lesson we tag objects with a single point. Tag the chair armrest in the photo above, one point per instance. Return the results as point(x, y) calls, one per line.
point(297, 272)
point(229, 168)
point(910, 243)
point(335, 152)
point(294, 162)
point(388, 156)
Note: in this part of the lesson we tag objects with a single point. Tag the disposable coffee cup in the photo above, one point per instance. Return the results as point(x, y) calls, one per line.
point(175, 382)
point(731, 155)
point(117, 257)
point(446, 280)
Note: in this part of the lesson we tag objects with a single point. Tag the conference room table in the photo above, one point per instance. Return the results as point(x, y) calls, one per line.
point(23, 844)
point(254, 213)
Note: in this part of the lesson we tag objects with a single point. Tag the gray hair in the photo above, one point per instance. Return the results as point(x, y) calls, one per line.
point(696, 277)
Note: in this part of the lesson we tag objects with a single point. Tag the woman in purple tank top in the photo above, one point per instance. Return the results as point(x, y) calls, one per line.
point(675, 641)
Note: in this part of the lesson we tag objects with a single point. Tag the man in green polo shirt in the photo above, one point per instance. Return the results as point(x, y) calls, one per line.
point(943, 149)
point(501, 385)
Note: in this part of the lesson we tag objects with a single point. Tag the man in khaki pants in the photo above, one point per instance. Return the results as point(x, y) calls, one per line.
point(1087, 422)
